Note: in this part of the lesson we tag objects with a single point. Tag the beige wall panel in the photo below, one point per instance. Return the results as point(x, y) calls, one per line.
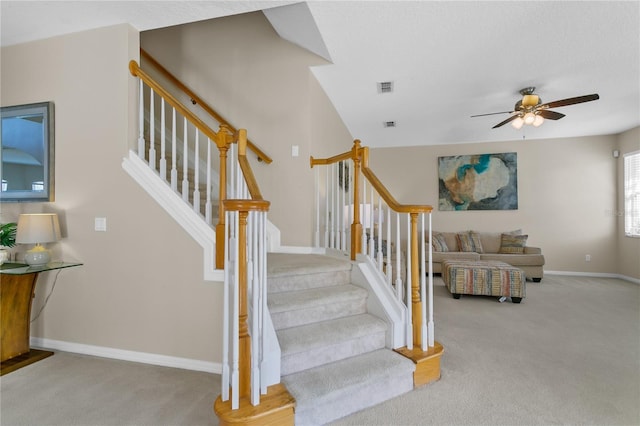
point(141, 287)
point(257, 81)
point(566, 187)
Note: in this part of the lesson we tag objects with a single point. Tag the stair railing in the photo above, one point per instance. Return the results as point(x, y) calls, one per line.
point(356, 214)
point(197, 100)
point(245, 285)
point(241, 232)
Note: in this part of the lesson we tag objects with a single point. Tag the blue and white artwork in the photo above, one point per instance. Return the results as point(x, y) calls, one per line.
point(478, 182)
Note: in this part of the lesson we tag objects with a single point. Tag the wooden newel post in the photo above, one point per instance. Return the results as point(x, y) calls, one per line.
point(416, 302)
point(222, 142)
point(356, 226)
point(243, 332)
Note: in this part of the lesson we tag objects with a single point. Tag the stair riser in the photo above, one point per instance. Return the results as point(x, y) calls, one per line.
point(292, 363)
point(302, 282)
point(350, 400)
point(298, 317)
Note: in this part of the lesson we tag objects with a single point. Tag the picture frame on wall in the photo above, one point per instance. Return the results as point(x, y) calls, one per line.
point(478, 182)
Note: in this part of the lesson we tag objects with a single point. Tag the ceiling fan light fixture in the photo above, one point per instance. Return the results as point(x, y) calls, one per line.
point(529, 118)
point(517, 123)
point(538, 121)
point(530, 100)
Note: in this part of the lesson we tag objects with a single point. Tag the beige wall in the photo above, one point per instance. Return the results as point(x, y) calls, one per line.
point(628, 248)
point(566, 193)
point(141, 286)
point(257, 81)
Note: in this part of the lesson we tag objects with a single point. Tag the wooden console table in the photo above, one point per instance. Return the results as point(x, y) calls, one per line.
point(17, 288)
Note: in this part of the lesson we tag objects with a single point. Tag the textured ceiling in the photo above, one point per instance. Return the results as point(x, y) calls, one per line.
point(448, 60)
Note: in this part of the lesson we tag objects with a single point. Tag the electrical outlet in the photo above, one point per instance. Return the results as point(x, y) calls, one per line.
point(587, 258)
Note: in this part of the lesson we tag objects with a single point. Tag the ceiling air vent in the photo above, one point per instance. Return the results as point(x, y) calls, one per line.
point(385, 87)
point(389, 124)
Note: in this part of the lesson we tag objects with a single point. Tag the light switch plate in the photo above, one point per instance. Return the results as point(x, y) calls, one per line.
point(101, 224)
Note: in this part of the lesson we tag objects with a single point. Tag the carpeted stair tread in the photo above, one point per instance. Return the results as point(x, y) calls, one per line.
point(296, 308)
point(294, 300)
point(332, 332)
point(335, 390)
point(286, 264)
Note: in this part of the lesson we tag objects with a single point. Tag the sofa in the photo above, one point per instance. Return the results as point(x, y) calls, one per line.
point(509, 247)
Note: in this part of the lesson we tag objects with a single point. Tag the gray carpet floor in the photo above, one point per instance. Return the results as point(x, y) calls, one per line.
point(568, 354)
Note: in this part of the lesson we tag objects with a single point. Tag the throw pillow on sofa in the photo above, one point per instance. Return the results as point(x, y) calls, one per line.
point(513, 244)
point(469, 242)
point(439, 243)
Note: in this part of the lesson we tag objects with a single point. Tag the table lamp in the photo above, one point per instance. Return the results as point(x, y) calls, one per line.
point(38, 229)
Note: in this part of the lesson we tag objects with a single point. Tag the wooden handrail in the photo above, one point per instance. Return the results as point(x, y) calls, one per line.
point(195, 99)
point(362, 153)
point(135, 70)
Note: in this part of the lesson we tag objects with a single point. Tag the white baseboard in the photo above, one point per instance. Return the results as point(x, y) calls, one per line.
point(124, 355)
point(595, 275)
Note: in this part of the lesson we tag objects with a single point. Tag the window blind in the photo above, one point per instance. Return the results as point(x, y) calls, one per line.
point(632, 194)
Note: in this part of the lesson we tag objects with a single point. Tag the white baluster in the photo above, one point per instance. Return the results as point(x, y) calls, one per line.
point(207, 206)
point(371, 220)
point(316, 238)
point(389, 261)
point(225, 312)
point(408, 291)
point(430, 324)
point(141, 142)
point(363, 210)
point(334, 206)
point(398, 270)
point(185, 165)
point(326, 206)
point(174, 156)
point(263, 293)
point(379, 229)
point(343, 230)
point(163, 158)
point(152, 131)
point(255, 316)
point(235, 335)
point(423, 288)
point(196, 177)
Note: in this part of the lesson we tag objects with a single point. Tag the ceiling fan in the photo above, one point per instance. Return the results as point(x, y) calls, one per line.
point(531, 110)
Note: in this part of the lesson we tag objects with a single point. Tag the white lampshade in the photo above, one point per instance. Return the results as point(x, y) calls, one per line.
point(538, 121)
point(529, 118)
point(517, 123)
point(37, 229)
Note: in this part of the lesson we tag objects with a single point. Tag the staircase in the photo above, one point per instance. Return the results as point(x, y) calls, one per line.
point(319, 331)
point(334, 360)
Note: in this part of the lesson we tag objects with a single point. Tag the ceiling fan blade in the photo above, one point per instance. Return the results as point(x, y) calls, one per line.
point(550, 115)
point(493, 113)
point(569, 101)
point(502, 123)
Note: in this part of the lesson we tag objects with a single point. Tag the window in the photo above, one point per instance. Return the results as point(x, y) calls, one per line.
point(632, 194)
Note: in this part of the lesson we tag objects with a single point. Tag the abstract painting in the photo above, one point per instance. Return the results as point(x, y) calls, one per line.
point(478, 182)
